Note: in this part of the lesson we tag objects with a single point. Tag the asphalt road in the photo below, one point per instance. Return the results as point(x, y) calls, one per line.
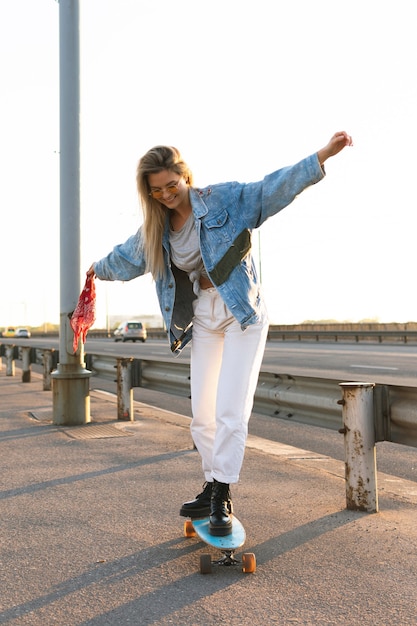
point(391, 364)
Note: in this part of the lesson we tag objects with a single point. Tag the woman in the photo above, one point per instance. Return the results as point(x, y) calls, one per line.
point(196, 243)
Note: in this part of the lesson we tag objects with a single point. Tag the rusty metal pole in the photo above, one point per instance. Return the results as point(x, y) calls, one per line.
point(124, 390)
point(47, 368)
point(9, 360)
point(25, 365)
point(360, 453)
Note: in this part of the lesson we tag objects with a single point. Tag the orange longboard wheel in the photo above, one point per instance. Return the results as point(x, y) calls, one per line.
point(205, 564)
point(248, 563)
point(189, 529)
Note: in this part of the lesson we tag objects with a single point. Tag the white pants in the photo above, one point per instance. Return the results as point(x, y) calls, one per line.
point(225, 364)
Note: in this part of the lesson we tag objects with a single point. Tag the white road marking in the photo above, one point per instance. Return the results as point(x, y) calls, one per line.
point(375, 367)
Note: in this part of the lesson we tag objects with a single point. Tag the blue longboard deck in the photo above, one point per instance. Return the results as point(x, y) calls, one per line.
point(229, 542)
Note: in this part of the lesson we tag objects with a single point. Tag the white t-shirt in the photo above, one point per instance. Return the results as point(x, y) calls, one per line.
point(185, 252)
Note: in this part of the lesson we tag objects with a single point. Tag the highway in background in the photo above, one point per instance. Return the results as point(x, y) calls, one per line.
point(390, 364)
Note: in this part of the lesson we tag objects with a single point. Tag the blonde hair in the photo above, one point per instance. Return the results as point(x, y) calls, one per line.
point(154, 213)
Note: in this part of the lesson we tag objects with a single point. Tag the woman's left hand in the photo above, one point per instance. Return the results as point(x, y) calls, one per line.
point(339, 141)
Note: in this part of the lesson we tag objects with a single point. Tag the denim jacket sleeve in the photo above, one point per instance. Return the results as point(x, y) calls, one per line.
point(280, 188)
point(261, 200)
point(125, 262)
point(250, 204)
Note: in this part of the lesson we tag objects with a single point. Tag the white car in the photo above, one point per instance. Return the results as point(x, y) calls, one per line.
point(23, 333)
point(130, 331)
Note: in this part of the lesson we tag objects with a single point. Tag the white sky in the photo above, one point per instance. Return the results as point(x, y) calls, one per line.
point(241, 88)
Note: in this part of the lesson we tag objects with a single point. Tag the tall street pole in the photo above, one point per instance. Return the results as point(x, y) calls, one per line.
point(71, 399)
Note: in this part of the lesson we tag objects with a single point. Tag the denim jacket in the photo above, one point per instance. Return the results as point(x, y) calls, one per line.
point(225, 215)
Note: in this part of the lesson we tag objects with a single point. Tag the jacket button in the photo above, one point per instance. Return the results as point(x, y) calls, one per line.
point(167, 308)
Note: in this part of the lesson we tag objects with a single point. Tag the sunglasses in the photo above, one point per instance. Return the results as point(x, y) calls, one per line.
point(158, 193)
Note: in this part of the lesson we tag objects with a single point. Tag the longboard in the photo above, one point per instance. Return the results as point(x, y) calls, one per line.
point(227, 544)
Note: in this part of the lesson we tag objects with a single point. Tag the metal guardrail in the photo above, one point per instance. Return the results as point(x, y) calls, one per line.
point(313, 401)
point(277, 333)
point(307, 400)
point(367, 413)
point(378, 336)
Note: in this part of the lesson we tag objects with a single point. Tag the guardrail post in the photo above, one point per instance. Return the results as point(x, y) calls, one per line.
point(124, 390)
point(25, 365)
point(47, 369)
point(360, 453)
point(10, 360)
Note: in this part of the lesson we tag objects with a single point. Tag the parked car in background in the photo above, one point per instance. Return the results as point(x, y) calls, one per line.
point(10, 331)
point(130, 331)
point(22, 332)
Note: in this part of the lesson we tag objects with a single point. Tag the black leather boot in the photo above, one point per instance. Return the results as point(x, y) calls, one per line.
point(220, 521)
point(200, 506)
